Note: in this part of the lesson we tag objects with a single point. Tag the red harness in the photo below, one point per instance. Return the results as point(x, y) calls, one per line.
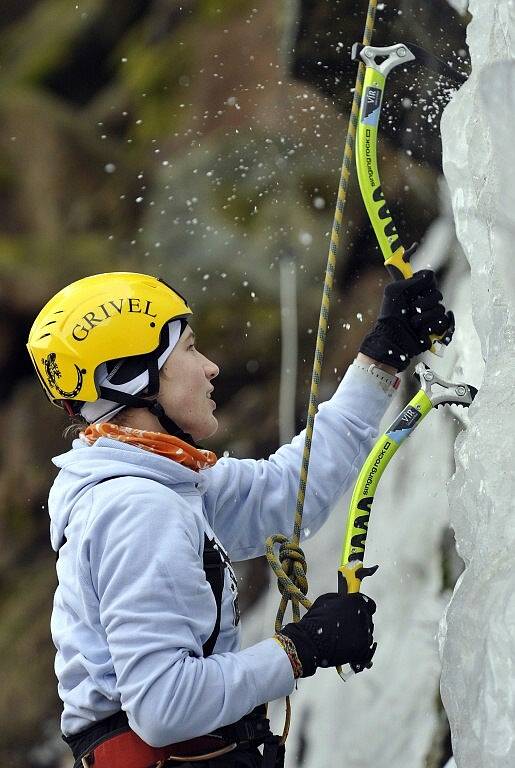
point(127, 750)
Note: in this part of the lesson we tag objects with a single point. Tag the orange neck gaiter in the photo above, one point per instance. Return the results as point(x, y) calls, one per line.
point(156, 442)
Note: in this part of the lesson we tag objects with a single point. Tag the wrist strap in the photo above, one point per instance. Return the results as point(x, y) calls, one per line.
point(387, 381)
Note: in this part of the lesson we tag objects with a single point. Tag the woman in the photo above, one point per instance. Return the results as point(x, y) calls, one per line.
point(145, 523)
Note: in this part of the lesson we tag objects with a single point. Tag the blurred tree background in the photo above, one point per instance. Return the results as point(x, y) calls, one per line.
point(201, 141)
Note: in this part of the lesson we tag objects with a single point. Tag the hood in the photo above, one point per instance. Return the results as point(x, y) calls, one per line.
point(84, 466)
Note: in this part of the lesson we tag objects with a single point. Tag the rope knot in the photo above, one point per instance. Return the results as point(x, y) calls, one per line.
point(290, 568)
point(293, 561)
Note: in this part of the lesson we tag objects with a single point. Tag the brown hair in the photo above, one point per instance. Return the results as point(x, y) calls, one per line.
point(75, 427)
point(78, 424)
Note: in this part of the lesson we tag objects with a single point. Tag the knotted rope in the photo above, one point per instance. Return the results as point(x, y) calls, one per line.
point(290, 565)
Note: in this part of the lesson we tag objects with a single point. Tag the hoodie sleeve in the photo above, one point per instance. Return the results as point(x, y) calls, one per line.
point(141, 556)
point(249, 500)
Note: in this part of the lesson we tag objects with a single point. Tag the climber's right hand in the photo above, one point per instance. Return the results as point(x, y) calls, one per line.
point(335, 630)
point(410, 314)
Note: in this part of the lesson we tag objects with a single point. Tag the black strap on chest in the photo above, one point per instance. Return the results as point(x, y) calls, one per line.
point(214, 568)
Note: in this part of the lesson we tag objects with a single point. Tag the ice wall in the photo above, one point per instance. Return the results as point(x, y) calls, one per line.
point(478, 635)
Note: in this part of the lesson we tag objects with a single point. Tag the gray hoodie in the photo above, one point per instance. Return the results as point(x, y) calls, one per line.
point(133, 609)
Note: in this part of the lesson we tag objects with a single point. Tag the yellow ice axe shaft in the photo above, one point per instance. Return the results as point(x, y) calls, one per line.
point(396, 258)
point(434, 392)
point(350, 572)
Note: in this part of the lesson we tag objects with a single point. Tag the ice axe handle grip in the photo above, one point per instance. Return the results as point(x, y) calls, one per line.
point(350, 577)
point(349, 582)
point(399, 268)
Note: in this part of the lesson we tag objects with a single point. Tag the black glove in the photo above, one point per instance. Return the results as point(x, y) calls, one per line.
point(410, 313)
point(335, 630)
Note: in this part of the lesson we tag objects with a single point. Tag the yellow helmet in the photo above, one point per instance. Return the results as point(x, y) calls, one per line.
point(97, 319)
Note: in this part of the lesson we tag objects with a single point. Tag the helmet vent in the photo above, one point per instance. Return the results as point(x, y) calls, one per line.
point(44, 336)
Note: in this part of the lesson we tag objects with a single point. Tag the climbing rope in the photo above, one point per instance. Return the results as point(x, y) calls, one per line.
point(290, 565)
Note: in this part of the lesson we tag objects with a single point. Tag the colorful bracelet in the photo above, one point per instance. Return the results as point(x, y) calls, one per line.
point(289, 647)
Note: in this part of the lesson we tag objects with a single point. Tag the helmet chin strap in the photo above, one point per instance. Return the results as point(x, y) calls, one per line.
point(168, 424)
point(155, 408)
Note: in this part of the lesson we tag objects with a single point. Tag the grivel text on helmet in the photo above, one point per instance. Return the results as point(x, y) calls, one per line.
point(109, 309)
